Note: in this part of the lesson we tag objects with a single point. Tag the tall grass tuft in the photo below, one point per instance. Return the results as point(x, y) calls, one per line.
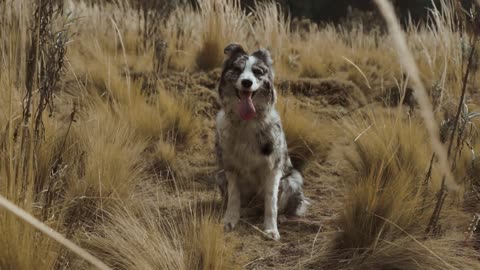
point(270, 28)
point(307, 138)
point(384, 213)
point(22, 146)
point(189, 240)
point(223, 22)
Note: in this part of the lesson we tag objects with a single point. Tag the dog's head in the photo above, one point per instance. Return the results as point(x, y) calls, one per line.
point(246, 86)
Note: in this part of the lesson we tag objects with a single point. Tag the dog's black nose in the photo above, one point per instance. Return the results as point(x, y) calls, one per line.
point(247, 83)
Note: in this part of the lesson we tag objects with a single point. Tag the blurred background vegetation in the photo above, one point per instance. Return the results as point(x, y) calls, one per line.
point(336, 10)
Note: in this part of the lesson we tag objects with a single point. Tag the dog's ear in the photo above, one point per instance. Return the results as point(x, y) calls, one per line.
point(265, 56)
point(233, 49)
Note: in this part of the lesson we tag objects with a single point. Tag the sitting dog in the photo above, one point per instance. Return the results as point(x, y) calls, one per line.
point(250, 142)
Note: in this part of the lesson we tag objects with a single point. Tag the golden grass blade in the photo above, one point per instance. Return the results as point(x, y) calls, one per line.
point(426, 110)
point(363, 132)
point(414, 239)
point(359, 70)
point(125, 59)
point(22, 214)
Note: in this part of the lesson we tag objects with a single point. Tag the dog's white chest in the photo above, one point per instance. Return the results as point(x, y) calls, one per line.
point(241, 146)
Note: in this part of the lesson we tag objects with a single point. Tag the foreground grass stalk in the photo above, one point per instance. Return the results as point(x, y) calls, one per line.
point(408, 63)
point(22, 214)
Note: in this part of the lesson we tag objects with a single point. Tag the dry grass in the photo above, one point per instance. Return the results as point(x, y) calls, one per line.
point(386, 206)
point(388, 167)
point(112, 159)
point(23, 247)
point(140, 236)
point(308, 137)
point(388, 142)
point(223, 23)
point(128, 177)
point(18, 241)
point(79, 174)
point(406, 253)
point(270, 28)
point(426, 109)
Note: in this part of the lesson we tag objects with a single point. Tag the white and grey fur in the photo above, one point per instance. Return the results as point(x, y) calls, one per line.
point(252, 155)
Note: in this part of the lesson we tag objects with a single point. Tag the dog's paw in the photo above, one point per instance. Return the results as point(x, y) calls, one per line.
point(230, 221)
point(273, 234)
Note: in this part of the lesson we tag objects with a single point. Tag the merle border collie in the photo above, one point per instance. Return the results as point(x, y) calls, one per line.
point(250, 143)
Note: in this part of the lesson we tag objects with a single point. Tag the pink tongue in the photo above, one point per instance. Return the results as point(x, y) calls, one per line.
point(247, 110)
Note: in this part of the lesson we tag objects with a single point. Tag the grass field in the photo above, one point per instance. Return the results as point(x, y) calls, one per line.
point(107, 136)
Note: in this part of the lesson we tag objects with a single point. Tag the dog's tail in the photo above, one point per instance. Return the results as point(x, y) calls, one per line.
point(299, 208)
point(292, 201)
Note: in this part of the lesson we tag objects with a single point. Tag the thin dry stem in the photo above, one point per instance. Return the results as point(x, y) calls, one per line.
point(17, 211)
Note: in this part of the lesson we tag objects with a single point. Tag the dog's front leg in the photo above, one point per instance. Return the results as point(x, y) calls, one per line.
point(232, 214)
point(271, 197)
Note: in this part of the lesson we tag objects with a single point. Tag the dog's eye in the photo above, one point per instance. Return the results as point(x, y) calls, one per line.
point(258, 72)
point(237, 70)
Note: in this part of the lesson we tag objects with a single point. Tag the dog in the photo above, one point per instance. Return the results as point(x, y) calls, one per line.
point(250, 143)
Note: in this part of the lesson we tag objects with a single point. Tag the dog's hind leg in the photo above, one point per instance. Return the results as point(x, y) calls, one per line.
point(222, 183)
point(271, 208)
point(232, 214)
point(292, 202)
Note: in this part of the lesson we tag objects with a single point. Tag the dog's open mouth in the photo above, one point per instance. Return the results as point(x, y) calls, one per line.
point(246, 109)
point(242, 92)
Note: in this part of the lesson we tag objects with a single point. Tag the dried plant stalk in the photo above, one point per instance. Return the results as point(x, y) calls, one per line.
point(426, 110)
point(17, 211)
